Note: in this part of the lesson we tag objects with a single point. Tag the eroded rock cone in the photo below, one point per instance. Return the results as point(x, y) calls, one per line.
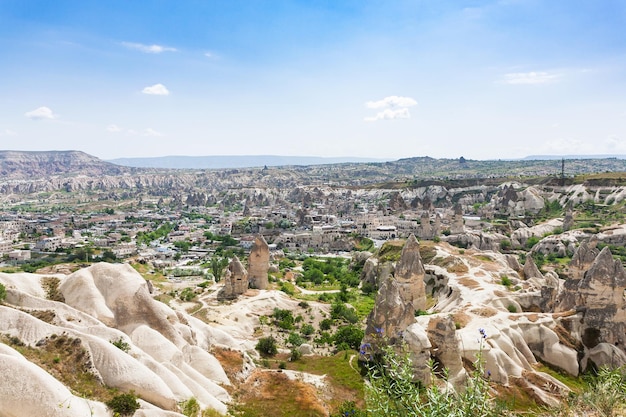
point(583, 257)
point(399, 297)
point(601, 294)
point(259, 263)
point(235, 279)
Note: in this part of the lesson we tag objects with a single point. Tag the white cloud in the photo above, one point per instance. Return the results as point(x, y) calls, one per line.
point(40, 113)
point(152, 132)
point(395, 107)
point(157, 90)
point(532, 77)
point(389, 114)
point(113, 128)
point(391, 101)
point(149, 49)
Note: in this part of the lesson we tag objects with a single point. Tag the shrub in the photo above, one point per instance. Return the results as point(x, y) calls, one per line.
point(511, 308)
point(121, 344)
point(532, 241)
point(123, 404)
point(190, 408)
point(324, 338)
point(326, 324)
point(392, 391)
point(3, 293)
point(187, 294)
point(307, 330)
point(267, 346)
point(505, 245)
point(506, 281)
point(295, 355)
point(283, 318)
point(295, 340)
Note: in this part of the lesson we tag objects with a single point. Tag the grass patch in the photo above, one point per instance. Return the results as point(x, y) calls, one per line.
point(390, 251)
point(576, 384)
point(363, 304)
point(148, 273)
point(337, 368)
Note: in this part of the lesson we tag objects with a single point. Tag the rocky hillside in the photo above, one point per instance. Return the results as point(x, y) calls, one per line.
point(31, 165)
point(100, 327)
point(485, 304)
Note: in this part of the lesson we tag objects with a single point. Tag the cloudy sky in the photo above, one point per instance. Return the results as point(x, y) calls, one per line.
point(370, 78)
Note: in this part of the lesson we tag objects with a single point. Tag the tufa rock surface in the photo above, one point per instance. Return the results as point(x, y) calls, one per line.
point(399, 296)
point(235, 279)
point(259, 263)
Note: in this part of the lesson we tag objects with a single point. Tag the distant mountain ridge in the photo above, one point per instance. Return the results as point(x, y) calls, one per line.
point(37, 164)
point(234, 161)
point(551, 157)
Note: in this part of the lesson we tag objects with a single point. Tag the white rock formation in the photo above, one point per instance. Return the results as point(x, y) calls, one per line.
point(168, 360)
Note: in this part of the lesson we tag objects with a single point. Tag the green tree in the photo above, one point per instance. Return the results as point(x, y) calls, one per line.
point(267, 346)
point(349, 335)
point(183, 245)
point(3, 293)
point(217, 265)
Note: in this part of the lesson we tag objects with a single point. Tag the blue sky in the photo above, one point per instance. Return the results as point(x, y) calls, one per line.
point(382, 79)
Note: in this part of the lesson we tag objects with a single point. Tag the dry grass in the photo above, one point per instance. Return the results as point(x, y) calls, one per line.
point(484, 311)
point(532, 317)
point(461, 319)
point(231, 361)
point(43, 315)
point(51, 285)
point(470, 283)
point(272, 393)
